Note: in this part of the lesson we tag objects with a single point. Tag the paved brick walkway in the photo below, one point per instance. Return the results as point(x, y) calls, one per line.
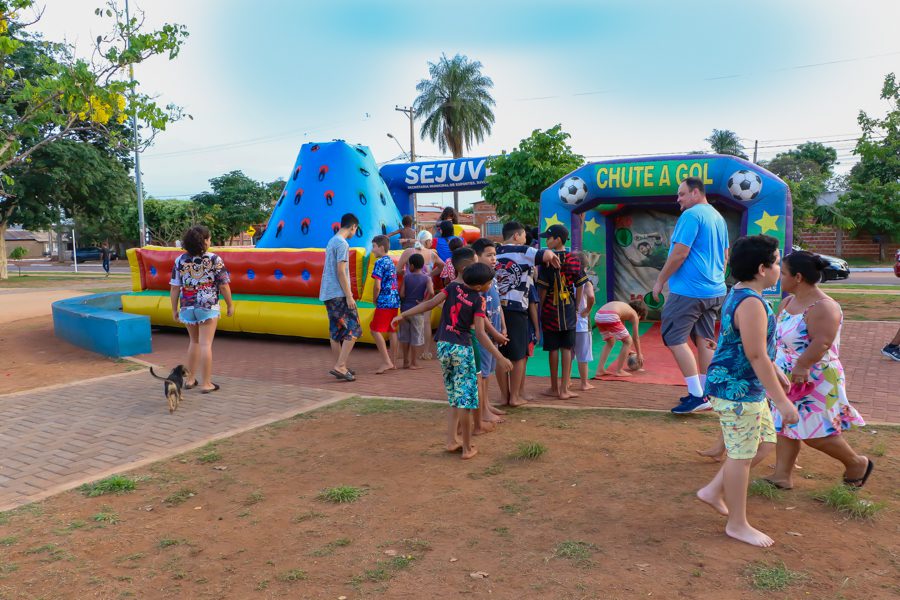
point(57, 438)
point(874, 381)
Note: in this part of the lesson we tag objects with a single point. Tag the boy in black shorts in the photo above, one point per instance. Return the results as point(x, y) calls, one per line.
point(560, 293)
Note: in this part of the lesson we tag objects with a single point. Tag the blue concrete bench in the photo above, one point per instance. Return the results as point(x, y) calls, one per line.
point(97, 323)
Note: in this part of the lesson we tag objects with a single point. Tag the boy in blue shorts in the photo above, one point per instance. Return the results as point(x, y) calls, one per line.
point(463, 309)
point(740, 377)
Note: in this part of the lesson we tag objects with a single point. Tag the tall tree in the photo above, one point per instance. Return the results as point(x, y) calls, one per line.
point(873, 197)
point(456, 105)
point(235, 203)
point(518, 178)
point(724, 141)
point(46, 94)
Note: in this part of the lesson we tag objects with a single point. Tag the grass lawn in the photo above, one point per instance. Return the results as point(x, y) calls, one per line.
point(868, 307)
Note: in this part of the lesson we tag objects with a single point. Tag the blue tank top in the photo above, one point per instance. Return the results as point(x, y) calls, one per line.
point(414, 285)
point(730, 375)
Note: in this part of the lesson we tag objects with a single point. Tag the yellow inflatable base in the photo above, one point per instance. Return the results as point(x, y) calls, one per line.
point(299, 317)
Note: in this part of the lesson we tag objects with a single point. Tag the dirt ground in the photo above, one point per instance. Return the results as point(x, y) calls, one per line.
point(607, 512)
point(33, 357)
point(869, 306)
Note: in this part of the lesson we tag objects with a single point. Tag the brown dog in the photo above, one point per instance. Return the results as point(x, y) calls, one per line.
point(174, 383)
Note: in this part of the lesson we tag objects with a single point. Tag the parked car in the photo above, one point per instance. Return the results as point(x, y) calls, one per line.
point(93, 253)
point(837, 267)
point(897, 264)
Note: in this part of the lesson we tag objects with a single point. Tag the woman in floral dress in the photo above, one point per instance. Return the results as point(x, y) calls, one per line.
point(807, 341)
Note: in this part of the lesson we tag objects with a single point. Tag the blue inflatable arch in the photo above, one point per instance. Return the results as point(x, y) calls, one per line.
point(621, 212)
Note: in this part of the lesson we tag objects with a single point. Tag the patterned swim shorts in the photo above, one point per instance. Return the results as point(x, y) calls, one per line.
point(343, 322)
point(745, 425)
point(610, 325)
point(460, 379)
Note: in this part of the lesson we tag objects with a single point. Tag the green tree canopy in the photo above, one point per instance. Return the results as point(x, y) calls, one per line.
point(873, 197)
point(47, 96)
point(235, 203)
point(456, 106)
point(518, 178)
point(725, 141)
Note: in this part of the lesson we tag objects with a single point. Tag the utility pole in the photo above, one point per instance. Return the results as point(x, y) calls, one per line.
point(142, 227)
point(755, 148)
point(408, 111)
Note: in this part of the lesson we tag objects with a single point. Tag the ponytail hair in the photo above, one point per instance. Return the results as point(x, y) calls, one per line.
point(808, 265)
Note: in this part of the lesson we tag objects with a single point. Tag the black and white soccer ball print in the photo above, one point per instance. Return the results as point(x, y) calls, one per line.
point(573, 190)
point(745, 185)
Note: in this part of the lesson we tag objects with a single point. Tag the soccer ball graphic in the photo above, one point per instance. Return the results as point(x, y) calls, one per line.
point(573, 190)
point(745, 185)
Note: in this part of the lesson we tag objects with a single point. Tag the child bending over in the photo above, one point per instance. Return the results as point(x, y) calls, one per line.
point(610, 322)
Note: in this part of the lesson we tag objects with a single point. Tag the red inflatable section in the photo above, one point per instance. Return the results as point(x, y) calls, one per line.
point(470, 233)
point(263, 272)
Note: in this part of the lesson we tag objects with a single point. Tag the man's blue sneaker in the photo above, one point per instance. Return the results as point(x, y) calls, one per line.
point(691, 404)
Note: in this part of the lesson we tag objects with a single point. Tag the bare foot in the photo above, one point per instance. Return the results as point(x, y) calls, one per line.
point(482, 427)
point(496, 410)
point(405, 365)
point(713, 499)
point(749, 535)
point(598, 376)
point(454, 447)
point(525, 398)
point(494, 419)
point(384, 367)
point(585, 386)
point(567, 395)
point(470, 453)
point(550, 392)
point(716, 453)
point(517, 403)
point(414, 367)
point(621, 373)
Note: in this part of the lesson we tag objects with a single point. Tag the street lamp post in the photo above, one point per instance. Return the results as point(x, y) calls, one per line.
point(399, 145)
point(142, 226)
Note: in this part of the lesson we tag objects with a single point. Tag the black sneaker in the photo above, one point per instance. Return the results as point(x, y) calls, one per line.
point(892, 352)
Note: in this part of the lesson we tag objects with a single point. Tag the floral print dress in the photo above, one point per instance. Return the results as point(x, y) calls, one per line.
point(826, 411)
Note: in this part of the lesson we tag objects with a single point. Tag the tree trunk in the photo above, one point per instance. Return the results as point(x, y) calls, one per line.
point(839, 241)
point(456, 202)
point(4, 265)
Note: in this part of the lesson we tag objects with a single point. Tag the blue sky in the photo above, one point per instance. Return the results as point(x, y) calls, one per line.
point(627, 77)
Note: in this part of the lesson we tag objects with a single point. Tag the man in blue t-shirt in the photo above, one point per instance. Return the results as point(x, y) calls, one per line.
point(695, 272)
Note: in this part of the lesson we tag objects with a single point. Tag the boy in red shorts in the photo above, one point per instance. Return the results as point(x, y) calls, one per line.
point(387, 301)
point(609, 320)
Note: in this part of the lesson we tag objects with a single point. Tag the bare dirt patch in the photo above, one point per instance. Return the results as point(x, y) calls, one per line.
point(869, 306)
point(33, 357)
point(607, 511)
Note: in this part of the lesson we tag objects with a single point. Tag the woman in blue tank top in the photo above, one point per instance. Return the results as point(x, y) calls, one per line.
point(740, 376)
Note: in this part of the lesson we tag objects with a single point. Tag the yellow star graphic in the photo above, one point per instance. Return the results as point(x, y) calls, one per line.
point(591, 225)
point(554, 220)
point(767, 222)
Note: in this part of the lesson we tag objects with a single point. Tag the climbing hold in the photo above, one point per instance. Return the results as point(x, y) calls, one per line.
point(314, 148)
point(361, 151)
point(383, 199)
point(362, 199)
point(250, 274)
point(304, 226)
point(152, 270)
point(280, 227)
point(280, 200)
point(383, 228)
point(335, 226)
point(296, 172)
point(364, 172)
point(359, 232)
point(298, 195)
point(329, 197)
point(322, 171)
point(278, 274)
point(305, 275)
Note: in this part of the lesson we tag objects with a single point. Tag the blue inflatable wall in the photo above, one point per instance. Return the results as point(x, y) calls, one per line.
point(328, 180)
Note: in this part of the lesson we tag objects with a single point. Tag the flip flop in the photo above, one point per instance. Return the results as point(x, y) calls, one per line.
point(215, 388)
point(858, 483)
point(776, 484)
point(190, 386)
point(348, 376)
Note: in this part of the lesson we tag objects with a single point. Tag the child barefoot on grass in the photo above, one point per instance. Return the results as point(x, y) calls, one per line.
point(387, 301)
point(463, 309)
point(415, 287)
point(740, 376)
point(609, 320)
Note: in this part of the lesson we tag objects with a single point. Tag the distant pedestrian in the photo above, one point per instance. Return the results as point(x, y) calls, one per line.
point(105, 253)
point(335, 292)
point(198, 278)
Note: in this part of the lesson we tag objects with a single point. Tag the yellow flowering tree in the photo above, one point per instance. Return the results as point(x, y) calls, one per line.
point(48, 94)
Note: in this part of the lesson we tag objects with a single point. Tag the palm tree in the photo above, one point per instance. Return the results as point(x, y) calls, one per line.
point(724, 141)
point(456, 105)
